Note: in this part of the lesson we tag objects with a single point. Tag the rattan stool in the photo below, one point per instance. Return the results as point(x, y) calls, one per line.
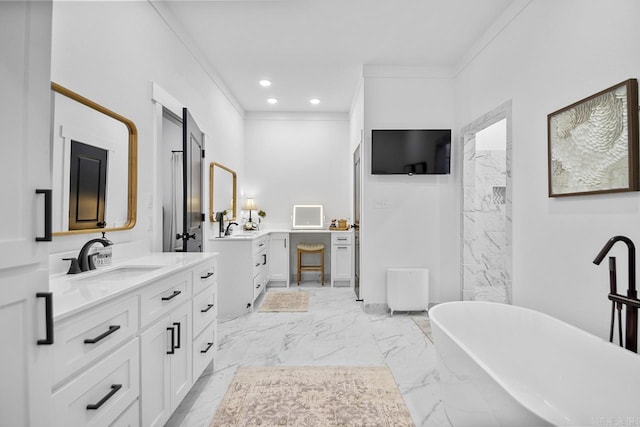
point(311, 248)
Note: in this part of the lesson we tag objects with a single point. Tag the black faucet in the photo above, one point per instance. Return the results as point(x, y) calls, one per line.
point(226, 232)
point(631, 300)
point(86, 261)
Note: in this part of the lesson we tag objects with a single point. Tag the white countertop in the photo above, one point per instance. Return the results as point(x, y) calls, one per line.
point(76, 292)
point(250, 235)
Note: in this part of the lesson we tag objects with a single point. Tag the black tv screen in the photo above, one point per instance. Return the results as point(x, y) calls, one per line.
point(410, 151)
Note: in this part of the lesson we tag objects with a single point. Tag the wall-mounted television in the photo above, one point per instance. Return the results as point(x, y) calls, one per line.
point(410, 151)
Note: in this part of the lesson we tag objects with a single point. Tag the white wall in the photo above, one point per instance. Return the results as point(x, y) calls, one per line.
point(297, 159)
point(110, 52)
point(402, 222)
point(553, 54)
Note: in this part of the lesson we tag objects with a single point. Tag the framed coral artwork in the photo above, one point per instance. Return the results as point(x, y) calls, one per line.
point(593, 143)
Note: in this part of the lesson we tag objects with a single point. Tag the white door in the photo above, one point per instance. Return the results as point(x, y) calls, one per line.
point(155, 372)
point(181, 360)
point(25, 366)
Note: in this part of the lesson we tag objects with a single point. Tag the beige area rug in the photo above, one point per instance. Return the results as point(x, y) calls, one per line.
point(285, 301)
point(424, 324)
point(322, 396)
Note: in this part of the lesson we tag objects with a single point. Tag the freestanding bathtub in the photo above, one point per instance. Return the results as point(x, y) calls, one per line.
point(502, 365)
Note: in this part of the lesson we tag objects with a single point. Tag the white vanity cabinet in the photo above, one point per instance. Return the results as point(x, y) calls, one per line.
point(342, 257)
point(279, 258)
point(25, 368)
point(243, 274)
point(131, 359)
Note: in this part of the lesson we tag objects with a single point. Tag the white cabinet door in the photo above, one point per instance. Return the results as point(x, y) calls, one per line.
point(181, 361)
point(166, 369)
point(25, 49)
point(341, 262)
point(279, 257)
point(155, 373)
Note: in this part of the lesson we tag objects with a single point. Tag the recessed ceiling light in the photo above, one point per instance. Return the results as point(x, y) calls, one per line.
point(314, 101)
point(265, 83)
point(272, 101)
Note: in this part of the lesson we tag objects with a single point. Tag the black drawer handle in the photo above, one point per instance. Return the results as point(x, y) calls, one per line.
point(100, 337)
point(207, 276)
point(173, 295)
point(209, 307)
point(342, 247)
point(47, 216)
point(48, 309)
point(114, 390)
point(177, 325)
point(209, 345)
point(173, 340)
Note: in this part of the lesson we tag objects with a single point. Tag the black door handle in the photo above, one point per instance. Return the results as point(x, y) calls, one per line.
point(209, 345)
point(114, 390)
point(47, 216)
point(173, 340)
point(264, 262)
point(172, 296)
point(48, 308)
point(102, 336)
point(177, 325)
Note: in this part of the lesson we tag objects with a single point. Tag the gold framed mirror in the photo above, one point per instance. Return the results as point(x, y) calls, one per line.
point(222, 191)
point(79, 121)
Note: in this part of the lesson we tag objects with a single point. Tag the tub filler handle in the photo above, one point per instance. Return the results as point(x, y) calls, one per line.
point(631, 300)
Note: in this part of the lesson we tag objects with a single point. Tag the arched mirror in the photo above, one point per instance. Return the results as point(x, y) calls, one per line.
point(222, 191)
point(94, 166)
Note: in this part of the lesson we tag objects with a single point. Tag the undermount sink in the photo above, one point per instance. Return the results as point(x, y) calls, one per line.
point(124, 272)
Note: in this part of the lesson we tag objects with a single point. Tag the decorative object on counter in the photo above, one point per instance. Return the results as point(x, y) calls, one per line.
point(261, 215)
point(276, 301)
point(312, 395)
point(339, 224)
point(593, 143)
point(250, 205)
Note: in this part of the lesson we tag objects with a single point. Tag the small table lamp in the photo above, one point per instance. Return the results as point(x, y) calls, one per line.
point(249, 205)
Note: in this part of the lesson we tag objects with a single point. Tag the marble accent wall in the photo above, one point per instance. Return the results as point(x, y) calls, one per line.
point(486, 214)
point(484, 255)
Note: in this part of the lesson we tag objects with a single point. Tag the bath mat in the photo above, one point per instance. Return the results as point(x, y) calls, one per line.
point(322, 396)
point(285, 301)
point(424, 324)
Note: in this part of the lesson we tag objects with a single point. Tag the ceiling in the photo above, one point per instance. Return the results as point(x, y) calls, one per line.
point(316, 48)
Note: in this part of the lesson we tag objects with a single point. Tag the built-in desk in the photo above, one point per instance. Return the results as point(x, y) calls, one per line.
point(250, 261)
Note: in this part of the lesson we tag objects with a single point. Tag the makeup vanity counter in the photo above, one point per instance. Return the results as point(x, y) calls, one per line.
point(130, 340)
point(252, 260)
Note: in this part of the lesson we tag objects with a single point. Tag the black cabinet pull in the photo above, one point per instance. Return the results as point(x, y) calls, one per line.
point(209, 307)
point(114, 390)
point(209, 345)
point(173, 295)
point(173, 340)
point(177, 325)
point(207, 276)
point(102, 336)
point(47, 216)
point(264, 261)
point(48, 309)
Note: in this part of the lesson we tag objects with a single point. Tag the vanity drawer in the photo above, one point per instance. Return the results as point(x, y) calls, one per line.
point(87, 337)
point(163, 296)
point(341, 238)
point(204, 275)
point(260, 244)
point(204, 349)
point(205, 308)
point(130, 418)
point(102, 393)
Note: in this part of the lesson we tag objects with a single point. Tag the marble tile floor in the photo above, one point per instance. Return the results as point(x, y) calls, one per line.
point(334, 332)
